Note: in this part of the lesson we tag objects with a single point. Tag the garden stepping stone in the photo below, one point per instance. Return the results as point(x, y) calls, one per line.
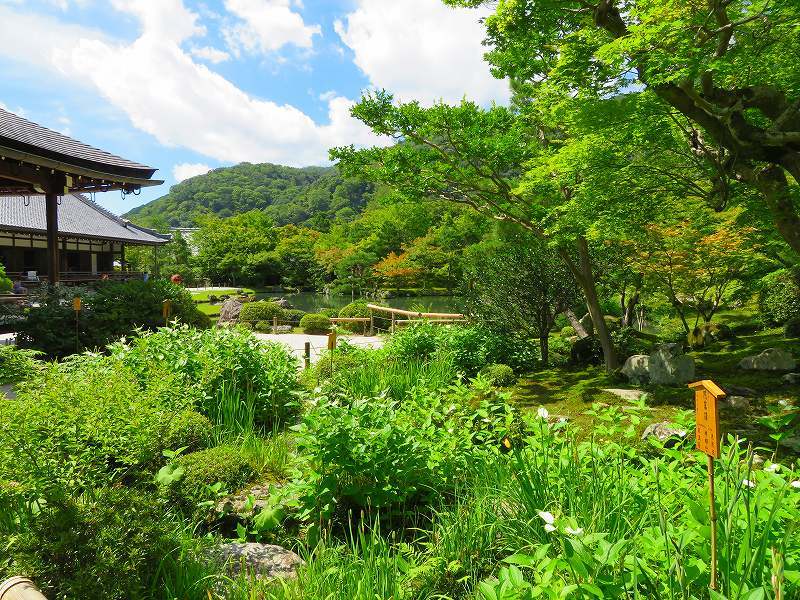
point(629, 395)
point(264, 561)
point(771, 359)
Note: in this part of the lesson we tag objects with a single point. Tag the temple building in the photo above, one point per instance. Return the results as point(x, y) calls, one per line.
point(91, 240)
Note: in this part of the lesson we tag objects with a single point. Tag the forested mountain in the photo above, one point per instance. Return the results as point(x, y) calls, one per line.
point(311, 196)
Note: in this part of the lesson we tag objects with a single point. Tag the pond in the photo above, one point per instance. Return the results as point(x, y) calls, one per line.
point(314, 302)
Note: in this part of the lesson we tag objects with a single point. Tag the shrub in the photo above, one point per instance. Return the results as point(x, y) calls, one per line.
point(499, 374)
point(315, 323)
point(217, 361)
point(627, 343)
point(188, 429)
point(111, 310)
point(586, 351)
point(294, 315)
point(6, 285)
point(779, 296)
point(792, 328)
point(376, 452)
point(18, 365)
point(263, 327)
point(568, 331)
point(417, 340)
point(221, 464)
point(108, 547)
point(253, 312)
point(357, 309)
point(328, 312)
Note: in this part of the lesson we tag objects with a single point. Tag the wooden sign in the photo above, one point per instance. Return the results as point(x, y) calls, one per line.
point(166, 309)
point(706, 396)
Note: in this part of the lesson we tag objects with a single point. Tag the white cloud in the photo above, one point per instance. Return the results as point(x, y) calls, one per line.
point(186, 170)
point(266, 26)
point(182, 103)
point(212, 55)
point(422, 50)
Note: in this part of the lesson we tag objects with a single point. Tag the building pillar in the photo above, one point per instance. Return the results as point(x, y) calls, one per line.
point(122, 265)
point(53, 261)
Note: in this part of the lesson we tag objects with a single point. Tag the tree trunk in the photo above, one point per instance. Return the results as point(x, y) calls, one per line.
point(585, 278)
point(576, 324)
point(544, 348)
point(772, 182)
point(629, 309)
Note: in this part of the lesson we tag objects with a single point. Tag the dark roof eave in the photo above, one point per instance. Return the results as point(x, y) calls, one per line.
point(82, 236)
point(101, 171)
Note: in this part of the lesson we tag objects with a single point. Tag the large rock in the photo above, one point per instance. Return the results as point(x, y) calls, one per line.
point(230, 311)
point(668, 365)
point(771, 359)
point(264, 561)
point(735, 404)
point(637, 369)
point(791, 379)
point(283, 303)
point(664, 432)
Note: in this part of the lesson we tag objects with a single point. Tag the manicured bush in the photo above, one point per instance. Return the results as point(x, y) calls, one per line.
point(792, 328)
point(253, 312)
point(779, 296)
point(107, 546)
point(110, 311)
point(221, 464)
point(315, 323)
point(188, 429)
point(217, 361)
point(18, 365)
point(263, 327)
point(499, 374)
point(357, 309)
point(568, 331)
point(328, 311)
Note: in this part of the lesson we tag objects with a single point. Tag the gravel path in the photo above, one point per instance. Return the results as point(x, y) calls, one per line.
point(319, 343)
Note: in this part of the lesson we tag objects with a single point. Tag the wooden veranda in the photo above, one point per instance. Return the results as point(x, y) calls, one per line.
point(35, 160)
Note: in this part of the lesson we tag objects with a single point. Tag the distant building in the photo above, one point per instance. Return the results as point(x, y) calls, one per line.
point(91, 239)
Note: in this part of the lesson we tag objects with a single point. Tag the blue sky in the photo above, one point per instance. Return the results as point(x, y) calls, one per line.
point(187, 85)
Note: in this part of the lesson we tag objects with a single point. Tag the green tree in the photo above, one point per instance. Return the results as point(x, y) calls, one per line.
point(727, 68)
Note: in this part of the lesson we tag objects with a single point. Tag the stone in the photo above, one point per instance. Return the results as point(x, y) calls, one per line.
point(637, 369)
point(237, 503)
point(630, 395)
point(283, 303)
point(668, 365)
point(791, 379)
point(771, 359)
point(8, 392)
point(664, 432)
point(264, 561)
point(738, 390)
point(230, 311)
point(737, 403)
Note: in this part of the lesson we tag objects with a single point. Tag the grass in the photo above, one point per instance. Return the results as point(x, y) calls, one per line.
point(205, 295)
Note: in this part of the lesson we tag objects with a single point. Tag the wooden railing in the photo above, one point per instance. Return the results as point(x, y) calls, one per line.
point(413, 316)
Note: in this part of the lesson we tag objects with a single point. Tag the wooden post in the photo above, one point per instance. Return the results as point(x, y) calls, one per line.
point(394, 319)
point(274, 324)
point(371, 322)
point(307, 354)
point(122, 264)
point(707, 437)
point(332, 340)
point(51, 214)
point(166, 311)
point(20, 588)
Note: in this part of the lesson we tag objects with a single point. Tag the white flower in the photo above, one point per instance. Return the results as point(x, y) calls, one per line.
point(547, 517)
point(571, 531)
point(549, 528)
point(542, 413)
point(772, 467)
point(796, 484)
point(748, 483)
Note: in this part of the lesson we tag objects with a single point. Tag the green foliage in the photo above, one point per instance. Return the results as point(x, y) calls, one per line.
point(18, 365)
point(215, 362)
point(357, 309)
point(792, 328)
point(329, 312)
point(263, 326)
point(253, 312)
point(74, 547)
point(294, 315)
point(499, 374)
point(378, 453)
point(779, 297)
point(311, 195)
point(200, 470)
point(315, 323)
point(188, 429)
point(5, 283)
point(628, 342)
point(110, 310)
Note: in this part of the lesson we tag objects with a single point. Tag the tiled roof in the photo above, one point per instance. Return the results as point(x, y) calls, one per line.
point(24, 135)
point(77, 216)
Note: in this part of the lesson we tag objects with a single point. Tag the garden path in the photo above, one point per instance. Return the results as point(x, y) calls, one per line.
point(319, 343)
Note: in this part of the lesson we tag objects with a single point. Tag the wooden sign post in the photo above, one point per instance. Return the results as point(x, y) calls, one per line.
point(166, 311)
point(706, 395)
